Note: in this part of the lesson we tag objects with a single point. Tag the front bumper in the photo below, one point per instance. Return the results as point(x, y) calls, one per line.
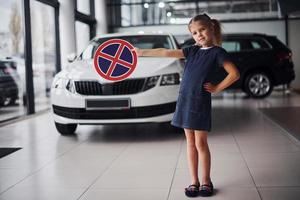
point(154, 113)
point(155, 105)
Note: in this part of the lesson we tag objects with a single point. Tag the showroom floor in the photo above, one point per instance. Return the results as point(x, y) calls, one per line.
point(252, 158)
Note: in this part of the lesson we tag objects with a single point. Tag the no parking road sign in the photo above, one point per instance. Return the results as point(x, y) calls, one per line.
point(115, 59)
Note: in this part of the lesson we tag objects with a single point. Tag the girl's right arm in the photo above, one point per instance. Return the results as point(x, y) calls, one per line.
point(160, 52)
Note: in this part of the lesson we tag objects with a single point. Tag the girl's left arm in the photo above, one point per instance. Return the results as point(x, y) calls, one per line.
point(233, 75)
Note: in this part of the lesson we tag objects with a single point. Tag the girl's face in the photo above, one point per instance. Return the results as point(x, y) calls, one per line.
point(202, 33)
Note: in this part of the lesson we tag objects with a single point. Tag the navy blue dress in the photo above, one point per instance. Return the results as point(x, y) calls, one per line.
point(193, 108)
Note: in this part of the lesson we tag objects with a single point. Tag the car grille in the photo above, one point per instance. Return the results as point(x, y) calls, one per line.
point(118, 88)
point(131, 113)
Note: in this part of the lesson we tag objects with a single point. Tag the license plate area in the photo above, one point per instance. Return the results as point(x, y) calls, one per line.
point(107, 104)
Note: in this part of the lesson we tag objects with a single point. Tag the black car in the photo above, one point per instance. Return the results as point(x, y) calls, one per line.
point(263, 62)
point(8, 82)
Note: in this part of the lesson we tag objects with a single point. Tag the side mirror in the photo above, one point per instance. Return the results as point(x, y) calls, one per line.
point(71, 57)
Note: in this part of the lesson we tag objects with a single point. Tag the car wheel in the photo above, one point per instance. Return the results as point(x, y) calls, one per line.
point(65, 129)
point(258, 85)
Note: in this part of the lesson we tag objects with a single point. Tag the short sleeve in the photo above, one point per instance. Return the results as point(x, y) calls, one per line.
point(186, 50)
point(222, 56)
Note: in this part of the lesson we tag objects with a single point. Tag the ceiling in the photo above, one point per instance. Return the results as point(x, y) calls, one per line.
point(289, 6)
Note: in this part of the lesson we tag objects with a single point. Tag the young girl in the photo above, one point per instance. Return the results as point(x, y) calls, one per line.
point(193, 109)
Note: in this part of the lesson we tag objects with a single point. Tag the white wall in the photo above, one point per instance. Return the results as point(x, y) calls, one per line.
point(294, 30)
point(268, 27)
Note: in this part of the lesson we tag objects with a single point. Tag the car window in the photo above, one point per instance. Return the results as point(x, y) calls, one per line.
point(144, 42)
point(150, 42)
point(259, 44)
point(88, 52)
point(141, 42)
point(7, 70)
point(255, 45)
point(231, 46)
point(2, 72)
point(187, 43)
point(176, 42)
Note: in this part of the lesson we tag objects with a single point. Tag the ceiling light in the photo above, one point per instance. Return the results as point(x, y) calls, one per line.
point(161, 4)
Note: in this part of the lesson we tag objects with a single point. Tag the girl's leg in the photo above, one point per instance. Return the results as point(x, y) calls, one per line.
point(204, 155)
point(192, 155)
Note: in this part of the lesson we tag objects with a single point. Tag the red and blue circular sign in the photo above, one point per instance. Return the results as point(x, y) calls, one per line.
point(115, 59)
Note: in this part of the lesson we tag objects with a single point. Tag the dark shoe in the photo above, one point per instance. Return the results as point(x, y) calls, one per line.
point(206, 190)
point(192, 190)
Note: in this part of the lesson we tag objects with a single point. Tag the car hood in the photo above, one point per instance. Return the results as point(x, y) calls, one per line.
point(146, 66)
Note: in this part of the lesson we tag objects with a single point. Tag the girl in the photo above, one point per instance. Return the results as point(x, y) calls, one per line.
point(193, 109)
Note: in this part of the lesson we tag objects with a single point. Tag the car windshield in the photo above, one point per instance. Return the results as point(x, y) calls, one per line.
point(141, 42)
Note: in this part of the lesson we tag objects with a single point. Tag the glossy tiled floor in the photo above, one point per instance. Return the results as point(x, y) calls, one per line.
point(252, 158)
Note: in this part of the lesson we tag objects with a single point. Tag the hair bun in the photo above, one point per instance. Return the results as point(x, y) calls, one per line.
point(205, 15)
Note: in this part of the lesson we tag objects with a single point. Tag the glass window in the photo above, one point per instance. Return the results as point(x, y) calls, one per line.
point(88, 52)
point(126, 16)
point(231, 46)
point(137, 12)
point(228, 10)
point(255, 45)
point(82, 36)
point(259, 44)
point(43, 52)
point(178, 12)
point(83, 6)
point(136, 15)
point(12, 65)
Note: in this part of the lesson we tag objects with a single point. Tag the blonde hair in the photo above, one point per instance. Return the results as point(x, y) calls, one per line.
point(215, 24)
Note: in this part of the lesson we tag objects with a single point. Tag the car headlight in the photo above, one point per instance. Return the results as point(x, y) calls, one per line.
point(70, 86)
point(59, 83)
point(151, 82)
point(170, 79)
point(62, 83)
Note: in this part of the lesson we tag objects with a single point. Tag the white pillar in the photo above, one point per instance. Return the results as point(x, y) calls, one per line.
point(137, 14)
point(67, 29)
point(100, 15)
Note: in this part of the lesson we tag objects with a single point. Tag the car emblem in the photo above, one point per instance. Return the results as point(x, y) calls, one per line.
point(115, 59)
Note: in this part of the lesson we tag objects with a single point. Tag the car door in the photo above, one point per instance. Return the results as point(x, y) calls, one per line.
point(258, 54)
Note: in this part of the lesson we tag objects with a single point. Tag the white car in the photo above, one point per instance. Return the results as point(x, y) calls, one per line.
point(79, 95)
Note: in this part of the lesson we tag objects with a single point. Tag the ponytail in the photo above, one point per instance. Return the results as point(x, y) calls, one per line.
point(217, 32)
point(213, 23)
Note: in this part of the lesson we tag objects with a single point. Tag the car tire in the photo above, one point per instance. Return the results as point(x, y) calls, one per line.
point(66, 129)
point(258, 85)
